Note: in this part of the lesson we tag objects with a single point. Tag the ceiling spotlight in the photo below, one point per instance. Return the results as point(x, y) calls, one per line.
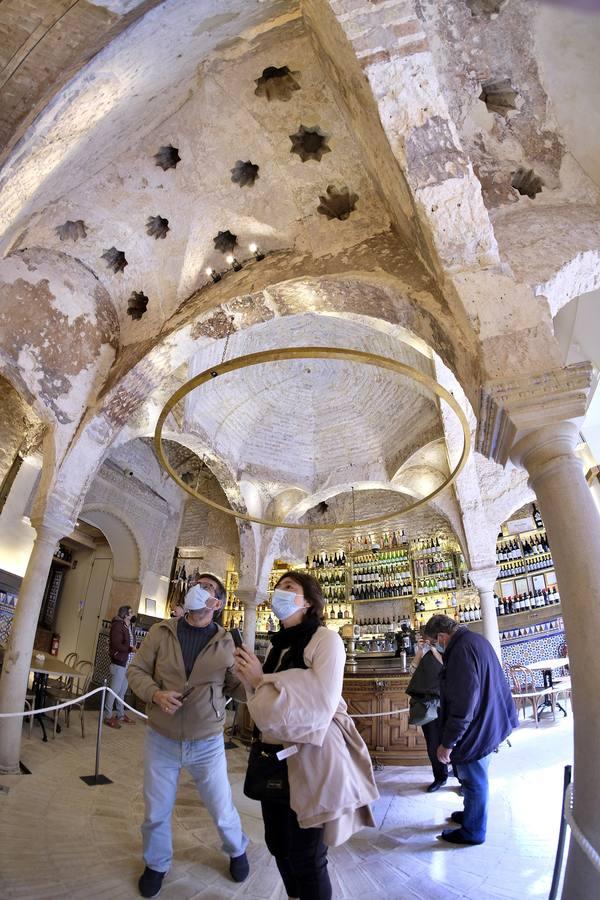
point(214, 275)
point(253, 248)
point(232, 261)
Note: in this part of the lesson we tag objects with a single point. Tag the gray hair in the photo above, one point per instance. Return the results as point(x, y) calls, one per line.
point(439, 623)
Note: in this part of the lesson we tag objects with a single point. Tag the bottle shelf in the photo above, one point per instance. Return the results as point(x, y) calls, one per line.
point(383, 599)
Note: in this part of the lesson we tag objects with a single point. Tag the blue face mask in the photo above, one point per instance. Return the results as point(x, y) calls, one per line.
point(283, 604)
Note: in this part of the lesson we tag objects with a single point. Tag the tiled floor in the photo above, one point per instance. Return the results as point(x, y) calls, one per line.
point(60, 838)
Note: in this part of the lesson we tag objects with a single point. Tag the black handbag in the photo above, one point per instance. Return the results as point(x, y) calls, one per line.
point(422, 711)
point(266, 776)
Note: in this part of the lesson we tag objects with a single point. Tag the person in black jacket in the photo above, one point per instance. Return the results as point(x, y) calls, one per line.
point(426, 668)
point(477, 713)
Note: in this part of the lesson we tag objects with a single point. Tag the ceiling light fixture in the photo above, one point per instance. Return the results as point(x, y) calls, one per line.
point(337, 353)
point(214, 275)
point(253, 248)
point(232, 261)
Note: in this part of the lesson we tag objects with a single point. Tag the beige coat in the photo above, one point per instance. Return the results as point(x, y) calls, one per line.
point(331, 777)
point(158, 665)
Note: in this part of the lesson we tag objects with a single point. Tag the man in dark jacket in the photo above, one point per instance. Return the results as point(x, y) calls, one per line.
point(119, 648)
point(477, 713)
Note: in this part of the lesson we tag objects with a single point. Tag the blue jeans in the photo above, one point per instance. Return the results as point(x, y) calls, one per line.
point(473, 777)
point(205, 761)
point(118, 682)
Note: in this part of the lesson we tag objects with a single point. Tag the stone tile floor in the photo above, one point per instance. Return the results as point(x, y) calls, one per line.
point(61, 838)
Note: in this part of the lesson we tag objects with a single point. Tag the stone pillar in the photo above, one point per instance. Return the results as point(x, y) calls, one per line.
point(17, 659)
point(484, 580)
point(250, 599)
point(573, 526)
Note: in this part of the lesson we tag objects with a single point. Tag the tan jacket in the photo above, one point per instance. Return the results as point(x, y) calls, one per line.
point(158, 665)
point(331, 777)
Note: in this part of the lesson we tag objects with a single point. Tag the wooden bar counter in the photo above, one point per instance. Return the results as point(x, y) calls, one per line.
point(377, 684)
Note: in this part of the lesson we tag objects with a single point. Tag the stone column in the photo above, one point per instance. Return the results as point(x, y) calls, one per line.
point(484, 580)
point(250, 599)
point(17, 659)
point(573, 526)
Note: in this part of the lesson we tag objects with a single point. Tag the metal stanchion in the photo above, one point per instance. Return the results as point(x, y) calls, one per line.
point(96, 778)
point(561, 839)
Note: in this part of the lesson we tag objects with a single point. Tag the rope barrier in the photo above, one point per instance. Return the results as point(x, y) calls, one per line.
point(46, 709)
point(38, 711)
point(576, 831)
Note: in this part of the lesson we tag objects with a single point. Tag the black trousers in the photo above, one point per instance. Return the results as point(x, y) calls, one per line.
point(431, 733)
point(300, 853)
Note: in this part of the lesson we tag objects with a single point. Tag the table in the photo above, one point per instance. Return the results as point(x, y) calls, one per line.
point(51, 665)
point(41, 670)
point(546, 667)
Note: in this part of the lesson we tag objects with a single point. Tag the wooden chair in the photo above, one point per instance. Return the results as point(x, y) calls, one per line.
point(75, 687)
point(81, 688)
point(524, 691)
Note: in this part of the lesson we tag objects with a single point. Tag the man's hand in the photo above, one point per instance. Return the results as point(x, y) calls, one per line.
point(443, 754)
point(168, 701)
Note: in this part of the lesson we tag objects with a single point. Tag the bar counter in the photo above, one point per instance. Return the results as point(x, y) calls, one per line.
point(376, 683)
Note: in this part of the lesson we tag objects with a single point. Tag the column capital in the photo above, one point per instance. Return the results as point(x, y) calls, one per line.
point(484, 578)
point(512, 408)
point(51, 527)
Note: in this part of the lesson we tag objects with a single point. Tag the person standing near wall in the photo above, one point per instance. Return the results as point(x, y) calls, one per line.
point(120, 646)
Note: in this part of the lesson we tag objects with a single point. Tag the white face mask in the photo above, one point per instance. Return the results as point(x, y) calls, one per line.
point(197, 599)
point(284, 604)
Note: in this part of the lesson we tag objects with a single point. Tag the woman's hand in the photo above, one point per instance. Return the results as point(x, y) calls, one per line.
point(247, 667)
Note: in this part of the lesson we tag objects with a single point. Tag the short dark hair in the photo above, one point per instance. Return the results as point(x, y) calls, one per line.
point(221, 592)
point(123, 611)
point(312, 593)
point(439, 623)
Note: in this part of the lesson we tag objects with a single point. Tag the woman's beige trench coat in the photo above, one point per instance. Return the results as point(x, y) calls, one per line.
point(331, 776)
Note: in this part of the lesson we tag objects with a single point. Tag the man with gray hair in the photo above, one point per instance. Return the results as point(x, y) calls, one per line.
point(182, 670)
point(477, 713)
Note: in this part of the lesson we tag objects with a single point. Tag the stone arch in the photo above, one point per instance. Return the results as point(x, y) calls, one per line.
point(127, 553)
point(374, 298)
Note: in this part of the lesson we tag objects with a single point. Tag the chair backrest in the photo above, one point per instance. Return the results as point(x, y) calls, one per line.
point(521, 678)
point(85, 667)
point(71, 659)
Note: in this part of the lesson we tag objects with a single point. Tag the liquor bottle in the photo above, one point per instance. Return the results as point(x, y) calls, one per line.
point(537, 517)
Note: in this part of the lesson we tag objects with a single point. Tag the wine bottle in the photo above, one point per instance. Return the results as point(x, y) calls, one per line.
point(537, 517)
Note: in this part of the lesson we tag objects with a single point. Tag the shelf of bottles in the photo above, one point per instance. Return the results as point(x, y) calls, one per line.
point(380, 574)
point(437, 577)
point(63, 555)
point(233, 613)
point(330, 570)
point(526, 580)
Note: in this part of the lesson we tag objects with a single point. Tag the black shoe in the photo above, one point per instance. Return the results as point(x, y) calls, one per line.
point(456, 836)
point(150, 882)
point(435, 786)
point(239, 867)
point(457, 816)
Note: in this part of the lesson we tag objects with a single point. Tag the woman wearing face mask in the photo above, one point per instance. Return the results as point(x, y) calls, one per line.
point(296, 702)
point(424, 687)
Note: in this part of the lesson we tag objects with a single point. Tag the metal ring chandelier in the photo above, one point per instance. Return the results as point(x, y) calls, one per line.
point(355, 356)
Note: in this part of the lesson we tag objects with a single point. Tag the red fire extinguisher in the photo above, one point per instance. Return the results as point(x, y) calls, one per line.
point(54, 644)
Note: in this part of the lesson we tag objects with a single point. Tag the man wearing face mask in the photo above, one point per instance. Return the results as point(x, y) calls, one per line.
point(477, 714)
point(181, 671)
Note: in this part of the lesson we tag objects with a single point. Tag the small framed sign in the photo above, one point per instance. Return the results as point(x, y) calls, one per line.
point(519, 525)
